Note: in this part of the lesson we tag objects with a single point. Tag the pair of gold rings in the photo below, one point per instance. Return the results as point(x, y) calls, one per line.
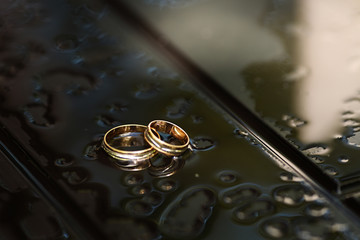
point(133, 145)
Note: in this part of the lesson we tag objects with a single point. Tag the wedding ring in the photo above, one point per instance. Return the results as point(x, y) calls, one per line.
point(126, 144)
point(177, 141)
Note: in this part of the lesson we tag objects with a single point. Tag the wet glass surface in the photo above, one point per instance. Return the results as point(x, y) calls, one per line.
point(71, 71)
point(294, 63)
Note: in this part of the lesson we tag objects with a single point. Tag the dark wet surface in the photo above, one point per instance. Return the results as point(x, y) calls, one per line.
point(72, 70)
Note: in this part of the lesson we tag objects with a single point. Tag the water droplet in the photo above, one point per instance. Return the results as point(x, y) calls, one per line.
point(228, 176)
point(290, 177)
point(117, 107)
point(10, 67)
point(166, 185)
point(197, 119)
point(186, 217)
point(241, 133)
point(106, 121)
point(343, 159)
point(253, 211)
point(91, 151)
point(153, 71)
point(154, 198)
point(291, 195)
point(330, 170)
point(179, 108)
point(63, 162)
point(316, 150)
point(276, 228)
point(354, 139)
point(317, 210)
point(66, 42)
point(75, 177)
point(139, 208)
point(140, 190)
point(239, 194)
point(202, 143)
point(300, 72)
point(147, 90)
point(317, 159)
point(309, 228)
point(69, 81)
point(292, 121)
point(351, 123)
point(38, 115)
point(132, 179)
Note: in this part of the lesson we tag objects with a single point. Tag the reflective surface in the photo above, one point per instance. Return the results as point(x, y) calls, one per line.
point(294, 63)
point(71, 71)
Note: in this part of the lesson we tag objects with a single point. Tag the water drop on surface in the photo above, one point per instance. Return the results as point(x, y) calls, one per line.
point(290, 177)
point(91, 151)
point(132, 179)
point(317, 210)
point(253, 211)
point(331, 171)
point(308, 228)
point(179, 108)
point(63, 162)
point(241, 133)
point(186, 218)
point(292, 121)
point(277, 228)
point(140, 190)
point(202, 143)
point(138, 208)
point(291, 195)
point(154, 198)
point(166, 185)
point(147, 90)
point(75, 177)
point(228, 176)
point(239, 195)
point(66, 42)
point(343, 159)
point(316, 150)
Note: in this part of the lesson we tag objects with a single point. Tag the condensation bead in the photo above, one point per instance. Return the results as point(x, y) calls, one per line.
point(309, 228)
point(75, 177)
point(154, 198)
point(142, 189)
point(132, 179)
point(166, 185)
point(179, 108)
point(290, 177)
point(253, 211)
point(147, 90)
point(276, 228)
point(187, 216)
point(228, 176)
point(91, 151)
point(317, 210)
point(239, 194)
point(343, 159)
point(138, 208)
point(202, 143)
point(66, 42)
point(291, 195)
point(63, 162)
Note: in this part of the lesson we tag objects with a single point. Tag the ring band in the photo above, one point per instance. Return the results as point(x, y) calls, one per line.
point(180, 137)
point(118, 138)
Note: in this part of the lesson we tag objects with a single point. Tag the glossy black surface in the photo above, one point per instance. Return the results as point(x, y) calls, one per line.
point(71, 71)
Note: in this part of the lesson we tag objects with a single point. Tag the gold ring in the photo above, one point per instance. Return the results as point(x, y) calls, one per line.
point(177, 142)
point(126, 144)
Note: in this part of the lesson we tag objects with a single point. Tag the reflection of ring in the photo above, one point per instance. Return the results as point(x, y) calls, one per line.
point(177, 143)
point(126, 143)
